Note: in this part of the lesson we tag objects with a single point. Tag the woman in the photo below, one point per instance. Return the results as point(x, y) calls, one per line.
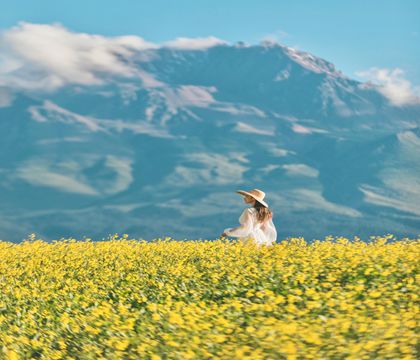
point(256, 221)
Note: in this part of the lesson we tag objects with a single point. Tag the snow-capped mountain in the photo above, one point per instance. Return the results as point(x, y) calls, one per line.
point(162, 152)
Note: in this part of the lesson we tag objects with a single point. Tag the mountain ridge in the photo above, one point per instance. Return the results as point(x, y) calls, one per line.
point(161, 153)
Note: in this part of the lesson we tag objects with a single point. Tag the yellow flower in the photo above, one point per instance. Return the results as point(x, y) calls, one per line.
point(155, 317)
point(375, 294)
point(12, 355)
point(124, 298)
point(152, 307)
point(175, 319)
point(122, 344)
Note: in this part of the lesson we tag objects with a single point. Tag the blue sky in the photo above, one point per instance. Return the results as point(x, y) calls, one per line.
point(355, 35)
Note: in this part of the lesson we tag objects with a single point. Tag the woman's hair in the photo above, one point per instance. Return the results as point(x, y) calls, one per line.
point(263, 213)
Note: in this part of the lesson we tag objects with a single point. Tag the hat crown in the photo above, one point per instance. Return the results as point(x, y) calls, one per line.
point(257, 193)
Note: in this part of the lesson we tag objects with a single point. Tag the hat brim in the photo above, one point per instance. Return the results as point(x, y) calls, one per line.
point(243, 192)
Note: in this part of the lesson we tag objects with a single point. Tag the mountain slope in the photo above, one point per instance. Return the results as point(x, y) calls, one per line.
point(162, 153)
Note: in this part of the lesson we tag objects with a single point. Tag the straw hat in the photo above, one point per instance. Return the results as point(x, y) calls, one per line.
point(256, 194)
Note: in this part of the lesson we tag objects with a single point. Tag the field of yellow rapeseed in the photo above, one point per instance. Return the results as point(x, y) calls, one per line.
point(167, 299)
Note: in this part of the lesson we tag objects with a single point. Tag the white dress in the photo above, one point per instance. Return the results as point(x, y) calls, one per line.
point(252, 229)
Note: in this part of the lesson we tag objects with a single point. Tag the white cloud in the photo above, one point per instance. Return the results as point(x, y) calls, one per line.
point(300, 170)
point(392, 84)
point(269, 168)
point(44, 56)
point(194, 43)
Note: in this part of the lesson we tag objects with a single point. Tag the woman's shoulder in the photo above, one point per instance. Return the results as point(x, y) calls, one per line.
point(247, 215)
point(249, 210)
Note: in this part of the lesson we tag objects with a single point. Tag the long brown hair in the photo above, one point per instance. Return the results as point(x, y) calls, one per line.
point(263, 213)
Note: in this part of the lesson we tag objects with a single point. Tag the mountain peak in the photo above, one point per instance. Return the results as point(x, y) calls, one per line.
point(313, 63)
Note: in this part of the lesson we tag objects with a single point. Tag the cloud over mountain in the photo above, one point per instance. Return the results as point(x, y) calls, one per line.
point(49, 56)
point(194, 43)
point(40, 56)
point(393, 84)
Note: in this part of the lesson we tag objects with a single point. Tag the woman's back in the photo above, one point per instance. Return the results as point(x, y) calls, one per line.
point(264, 231)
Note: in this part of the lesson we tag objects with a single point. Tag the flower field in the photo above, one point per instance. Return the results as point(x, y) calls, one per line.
point(131, 299)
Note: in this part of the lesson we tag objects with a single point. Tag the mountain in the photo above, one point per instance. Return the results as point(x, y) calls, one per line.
point(161, 154)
